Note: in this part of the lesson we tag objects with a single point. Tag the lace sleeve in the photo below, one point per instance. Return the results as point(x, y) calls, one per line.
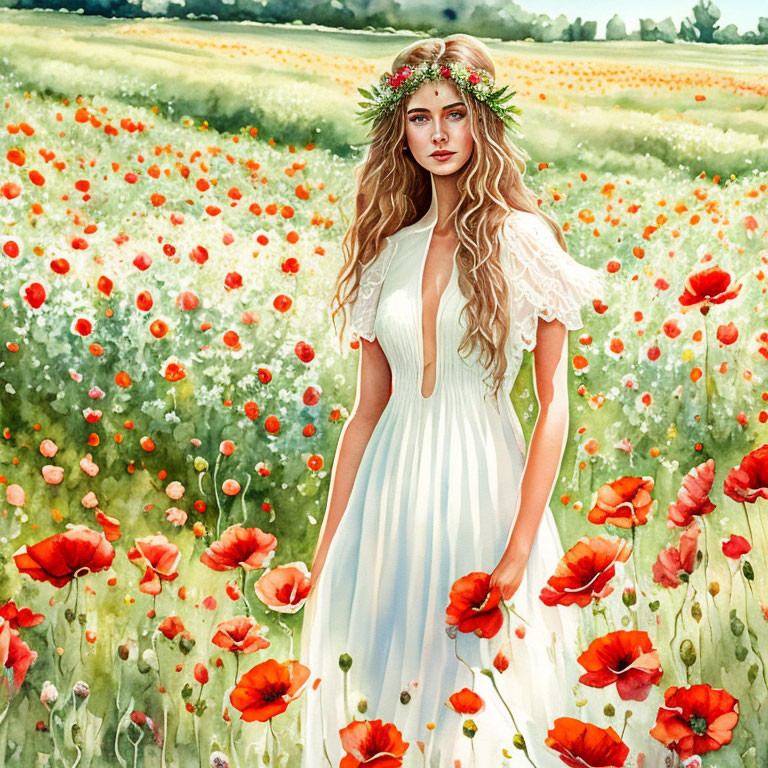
point(546, 281)
point(363, 310)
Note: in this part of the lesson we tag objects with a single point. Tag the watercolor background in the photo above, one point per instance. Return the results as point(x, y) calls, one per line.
point(173, 194)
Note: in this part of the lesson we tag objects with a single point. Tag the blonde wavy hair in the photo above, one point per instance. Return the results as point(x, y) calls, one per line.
point(394, 191)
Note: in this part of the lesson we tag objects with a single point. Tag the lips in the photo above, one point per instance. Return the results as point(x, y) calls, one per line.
point(442, 155)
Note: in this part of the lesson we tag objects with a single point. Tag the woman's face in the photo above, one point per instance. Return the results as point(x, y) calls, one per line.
point(437, 120)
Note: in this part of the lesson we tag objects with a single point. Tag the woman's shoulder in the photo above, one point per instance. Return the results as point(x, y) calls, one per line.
point(518, 221)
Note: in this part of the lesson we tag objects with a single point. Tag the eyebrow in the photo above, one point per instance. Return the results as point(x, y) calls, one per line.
point(449, 106)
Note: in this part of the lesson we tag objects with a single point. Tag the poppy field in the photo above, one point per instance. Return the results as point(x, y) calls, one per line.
point(172, 390)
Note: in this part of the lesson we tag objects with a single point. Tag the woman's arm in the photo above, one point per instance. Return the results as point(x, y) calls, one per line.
point(374, 386)
point(544, 452)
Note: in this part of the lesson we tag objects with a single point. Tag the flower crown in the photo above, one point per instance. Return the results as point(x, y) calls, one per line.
point(384, 96)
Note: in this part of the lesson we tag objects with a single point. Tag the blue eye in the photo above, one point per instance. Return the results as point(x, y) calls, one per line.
point(455, 112)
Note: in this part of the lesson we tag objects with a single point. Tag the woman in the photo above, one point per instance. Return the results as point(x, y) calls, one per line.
point(456, 272)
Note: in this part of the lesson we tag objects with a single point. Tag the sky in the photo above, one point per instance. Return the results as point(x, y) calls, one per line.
point(743, 13)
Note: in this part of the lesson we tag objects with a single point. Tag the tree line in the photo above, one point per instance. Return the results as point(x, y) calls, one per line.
point(501, 19)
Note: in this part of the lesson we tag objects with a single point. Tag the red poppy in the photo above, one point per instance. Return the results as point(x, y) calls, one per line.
point(65, 556)
point(110, 525)
point(240, 635)
point(693, 496)
point(159, 558)
point(673, 561)
point(171, 626)
point(247, 548)
point(696, 719)
point(20, 617)
point(15, 654)
point(736, 546)
point(268, 689)
point(284, 589)
point(749, 481)
point(501, 659)
point(626, 658)
point(465, 702)
point(372, 744)
point(624, 502)
point(583, 572)
point(474, 605)
point(705, 288)
point(583, 745)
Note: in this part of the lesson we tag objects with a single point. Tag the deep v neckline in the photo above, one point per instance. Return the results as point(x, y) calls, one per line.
point(438, 311)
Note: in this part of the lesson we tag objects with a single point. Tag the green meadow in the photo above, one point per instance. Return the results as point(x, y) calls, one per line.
point(209, 389)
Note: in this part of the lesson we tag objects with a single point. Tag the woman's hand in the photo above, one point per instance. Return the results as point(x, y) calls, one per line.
point(508, 574)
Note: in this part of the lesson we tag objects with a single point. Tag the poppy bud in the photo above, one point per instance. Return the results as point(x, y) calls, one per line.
point(518, 741)
point(687, 653)
point(345, 662)
point(49, 693)
point(469, 728)
point(405, 697)
point(696, 611)
point(186, 644)
point(201, 673)
point(362, 706)
point(81, 689)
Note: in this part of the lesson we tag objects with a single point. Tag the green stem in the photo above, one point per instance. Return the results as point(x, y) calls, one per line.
point(678, 615)
point(624, 727)
point(749, 524)
point(756, 649)
point(706, 372)
point(242, 501)
point(636, 533)
point(511, 610)
point(288, 631)
point(346, 698)
point(707, 595)
point(216, 494)
point(325, 747)
point(242, 589)
point(488, 673)
point(275, 744)
point(4, 733)
point(456, 653)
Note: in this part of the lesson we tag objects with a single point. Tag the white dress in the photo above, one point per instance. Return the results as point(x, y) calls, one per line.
point(434, 499)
